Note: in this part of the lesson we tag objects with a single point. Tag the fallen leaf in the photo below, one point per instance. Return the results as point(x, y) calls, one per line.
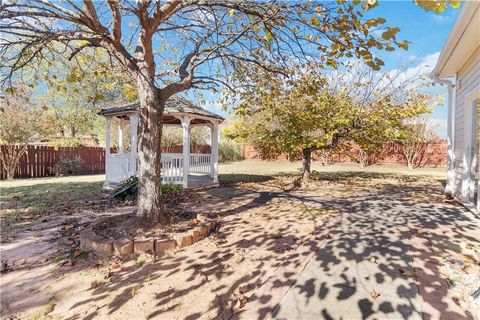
point(470, 269)
point(469, 259)
point(406, 273)
point(115, 265)
point(76, 253)
point(374, 294)
point(469, 246)
point(242, 301)
point(373, 260)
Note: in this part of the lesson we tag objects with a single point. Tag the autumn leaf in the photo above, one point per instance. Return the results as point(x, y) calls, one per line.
point(242, 301)
point(374, 294)
point(403, 44)
point(406, 273)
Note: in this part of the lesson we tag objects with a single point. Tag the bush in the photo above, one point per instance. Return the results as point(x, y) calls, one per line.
point(229, 151)
point(68, 142)
point(68, 166)
point(171, 188)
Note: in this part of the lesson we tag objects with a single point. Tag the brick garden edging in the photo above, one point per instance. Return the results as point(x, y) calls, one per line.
point(104, 246)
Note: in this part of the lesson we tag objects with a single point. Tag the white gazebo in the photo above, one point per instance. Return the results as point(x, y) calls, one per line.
point(186, 168)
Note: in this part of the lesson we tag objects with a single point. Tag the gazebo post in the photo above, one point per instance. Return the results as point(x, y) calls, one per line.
point(214, 152)
point(121, 142)
point(108, 122)
point(186, 148)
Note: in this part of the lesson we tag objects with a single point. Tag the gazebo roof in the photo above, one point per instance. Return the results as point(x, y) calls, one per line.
point(174, 106)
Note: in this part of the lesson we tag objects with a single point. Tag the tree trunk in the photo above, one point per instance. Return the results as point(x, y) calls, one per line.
point(11, 170)
point(10, 156)
point(410, 164)
point(307, 162)
point(150, 201)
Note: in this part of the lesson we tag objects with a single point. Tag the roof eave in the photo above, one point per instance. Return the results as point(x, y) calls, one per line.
point(464, 18)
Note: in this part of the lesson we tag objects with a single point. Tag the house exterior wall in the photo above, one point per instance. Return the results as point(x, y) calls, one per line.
point(468, 78)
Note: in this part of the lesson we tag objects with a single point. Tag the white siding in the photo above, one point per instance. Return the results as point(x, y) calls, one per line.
point(467, 79)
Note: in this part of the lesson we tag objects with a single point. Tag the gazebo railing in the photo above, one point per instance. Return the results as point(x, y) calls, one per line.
point(172, 168)
point(121, 166)
point(200, 162)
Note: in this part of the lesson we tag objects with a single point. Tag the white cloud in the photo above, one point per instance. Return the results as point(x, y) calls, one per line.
point(440, 18)
point(415, 68)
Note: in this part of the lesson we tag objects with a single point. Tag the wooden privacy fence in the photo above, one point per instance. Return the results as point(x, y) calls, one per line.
point(200, 148)
point(38, 160)
point(435, 154)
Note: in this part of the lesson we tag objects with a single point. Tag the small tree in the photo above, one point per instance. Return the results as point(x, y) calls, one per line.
point(386, 102)
point(365, 155)
point(19, 123)
point(417, 142)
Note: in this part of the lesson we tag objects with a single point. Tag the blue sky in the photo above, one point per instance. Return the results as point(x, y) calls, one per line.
point(427, 33)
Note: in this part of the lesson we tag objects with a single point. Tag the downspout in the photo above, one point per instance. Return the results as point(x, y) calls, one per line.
point(450, 133)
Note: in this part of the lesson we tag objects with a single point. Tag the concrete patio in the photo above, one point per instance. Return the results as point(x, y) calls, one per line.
point(355, 267)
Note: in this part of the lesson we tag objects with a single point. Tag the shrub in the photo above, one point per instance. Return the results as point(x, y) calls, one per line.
point(229, 151)
point(68, 142)
point(68, 166)
point(171, 188)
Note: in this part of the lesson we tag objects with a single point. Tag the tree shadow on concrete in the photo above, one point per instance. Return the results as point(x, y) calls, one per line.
point(367, 253)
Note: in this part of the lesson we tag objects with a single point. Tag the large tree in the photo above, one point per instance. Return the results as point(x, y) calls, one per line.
point(172, 46)
point(76, 90)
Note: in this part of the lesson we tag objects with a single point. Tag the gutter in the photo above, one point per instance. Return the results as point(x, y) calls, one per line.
point(450, 134)
point(465, 16)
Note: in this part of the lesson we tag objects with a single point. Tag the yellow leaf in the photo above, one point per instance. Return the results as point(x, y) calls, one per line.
point(232, 12)
point(374, 294)
point(455, 3)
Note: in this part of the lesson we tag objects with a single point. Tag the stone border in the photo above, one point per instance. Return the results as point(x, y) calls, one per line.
point(103, 246)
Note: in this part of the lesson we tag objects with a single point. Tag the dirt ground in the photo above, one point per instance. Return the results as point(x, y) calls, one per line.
point(261, 225)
